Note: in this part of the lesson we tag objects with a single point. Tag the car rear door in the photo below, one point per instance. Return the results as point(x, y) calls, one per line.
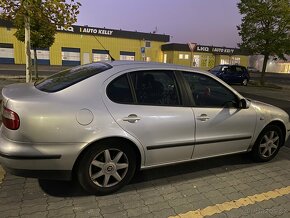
point(221, 127)
point(153, 114)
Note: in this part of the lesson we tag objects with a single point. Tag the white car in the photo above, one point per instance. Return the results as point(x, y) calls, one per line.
point(103, 121)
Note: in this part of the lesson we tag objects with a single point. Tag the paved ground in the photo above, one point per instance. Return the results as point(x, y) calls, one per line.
point(231, 186)
point(163, 192)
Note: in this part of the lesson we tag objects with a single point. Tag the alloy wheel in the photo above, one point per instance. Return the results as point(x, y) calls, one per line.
point(108, 168)
point(269, 144)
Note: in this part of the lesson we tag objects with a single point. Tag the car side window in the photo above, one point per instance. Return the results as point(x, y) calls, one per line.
point(119, 90)
point(155, 87)
point(239, 69)
point(207, 92)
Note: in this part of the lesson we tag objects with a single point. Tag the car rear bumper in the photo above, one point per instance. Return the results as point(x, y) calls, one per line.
point(44, 160)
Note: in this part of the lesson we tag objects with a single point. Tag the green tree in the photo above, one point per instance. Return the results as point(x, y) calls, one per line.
point(27, 12)
point(265, 28)
point(42, 34)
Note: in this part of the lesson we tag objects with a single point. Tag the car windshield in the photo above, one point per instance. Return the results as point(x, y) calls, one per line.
point(71, 76)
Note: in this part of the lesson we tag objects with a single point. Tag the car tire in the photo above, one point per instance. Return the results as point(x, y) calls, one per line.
point(106, 167)
point(267, 144)
point(245, 82)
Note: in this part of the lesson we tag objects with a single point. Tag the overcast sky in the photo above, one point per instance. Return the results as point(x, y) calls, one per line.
point(208, 22)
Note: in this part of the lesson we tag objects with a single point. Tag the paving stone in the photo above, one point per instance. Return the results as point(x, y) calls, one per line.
point(146, 215)
point(60, 204)
point(88, 213)
point(117, 215)
point(178, 201)
point(158, 206)
point(33, 209)
point(33, 202)
point(153, 200)
point(109, 202)
point(184, 208)
point(133, 204)
point(213, 194)
point(85, 207)
point(163, 213)
point(138, 211)
point(172, 196)
point(36, 215)
point(277, 211)
point(112, 208)
point(219, 215)
point(129, 198)
point(6, 207)
point(166, 190)
point(61, 212)
point(147, 194)
point(64, 216)
point(10, 213)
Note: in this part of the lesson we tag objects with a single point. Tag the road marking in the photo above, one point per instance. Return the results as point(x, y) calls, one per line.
point(2, 173)
point(242, 202)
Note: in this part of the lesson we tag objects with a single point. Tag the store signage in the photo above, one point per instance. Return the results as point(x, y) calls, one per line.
point(220, 50)
point(202, 48)
point(69, 29)
point(223, 50)
point(95, 31)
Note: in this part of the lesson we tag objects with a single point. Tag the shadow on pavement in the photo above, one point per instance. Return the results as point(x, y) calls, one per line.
point(189, 170)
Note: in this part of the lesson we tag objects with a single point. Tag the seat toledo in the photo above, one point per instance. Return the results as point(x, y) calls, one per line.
point(101, 122)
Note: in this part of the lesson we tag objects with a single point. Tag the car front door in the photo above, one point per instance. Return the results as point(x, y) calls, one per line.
point(148, 106)
point(221, 127)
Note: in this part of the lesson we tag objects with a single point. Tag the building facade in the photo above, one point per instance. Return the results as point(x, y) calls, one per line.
point(82, 44)
point(202, 56)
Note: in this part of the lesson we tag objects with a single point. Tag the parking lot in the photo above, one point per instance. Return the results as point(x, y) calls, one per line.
point(230, 186)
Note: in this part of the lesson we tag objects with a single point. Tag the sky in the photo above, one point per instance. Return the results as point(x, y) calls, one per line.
point(206, 22)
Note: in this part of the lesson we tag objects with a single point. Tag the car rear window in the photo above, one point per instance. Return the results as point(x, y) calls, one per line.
point(71, 76)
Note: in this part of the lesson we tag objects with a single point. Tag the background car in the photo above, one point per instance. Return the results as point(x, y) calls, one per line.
point(99, 123)
point(253, 70)
point(231, 74)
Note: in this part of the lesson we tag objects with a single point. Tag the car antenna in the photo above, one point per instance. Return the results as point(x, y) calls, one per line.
point(112, 59)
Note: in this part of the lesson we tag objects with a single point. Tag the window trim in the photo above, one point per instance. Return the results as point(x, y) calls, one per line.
point(188, 90)
point(179, 94)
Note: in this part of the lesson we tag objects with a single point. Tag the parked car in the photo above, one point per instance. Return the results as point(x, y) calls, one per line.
point(231, 74)
point(101, 122)
point(253, 70)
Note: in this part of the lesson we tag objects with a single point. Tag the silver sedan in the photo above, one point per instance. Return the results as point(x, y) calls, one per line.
point(103, 121)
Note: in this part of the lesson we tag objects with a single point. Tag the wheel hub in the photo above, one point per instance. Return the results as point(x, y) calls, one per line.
point(109, 168)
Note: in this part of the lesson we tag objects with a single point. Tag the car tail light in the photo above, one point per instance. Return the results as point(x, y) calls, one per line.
point(10, 119)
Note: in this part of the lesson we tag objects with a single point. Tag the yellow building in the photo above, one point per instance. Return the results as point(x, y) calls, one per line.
point(82, 44)
point(202, 56)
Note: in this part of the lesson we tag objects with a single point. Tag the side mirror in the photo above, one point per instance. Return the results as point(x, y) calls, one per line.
point(244, 103)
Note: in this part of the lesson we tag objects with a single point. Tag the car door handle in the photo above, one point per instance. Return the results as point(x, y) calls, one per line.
point(132, 118)
point(203, 117)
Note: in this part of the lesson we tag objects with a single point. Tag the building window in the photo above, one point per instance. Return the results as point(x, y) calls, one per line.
point(224, 61)
point(127, 56)
point(180, 56)
point(165, 58)
point(186, 56)
point(148, 59)
point(70, 56)
point(147, 44)
point(196, 61)
point(42, 56)
point(235, 60)
point(6, 53)
point(100, 55)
